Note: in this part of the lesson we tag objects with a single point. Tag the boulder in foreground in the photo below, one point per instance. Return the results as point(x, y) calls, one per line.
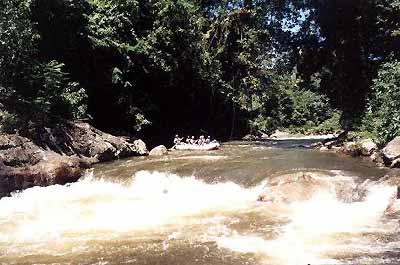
point(368, 147)
point(391, 153)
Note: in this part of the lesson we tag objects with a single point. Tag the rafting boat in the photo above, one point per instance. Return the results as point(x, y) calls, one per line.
point(195, 147)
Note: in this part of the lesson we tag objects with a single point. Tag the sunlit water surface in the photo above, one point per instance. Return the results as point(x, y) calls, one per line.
point(201, 208)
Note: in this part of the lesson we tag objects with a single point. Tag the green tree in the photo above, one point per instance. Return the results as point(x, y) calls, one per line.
point(28, 80)
point(344, 42)
point(383, 116)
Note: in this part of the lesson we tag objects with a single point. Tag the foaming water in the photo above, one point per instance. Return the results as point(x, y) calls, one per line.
point(148, 200)
point(206, 212)
point(320, 226)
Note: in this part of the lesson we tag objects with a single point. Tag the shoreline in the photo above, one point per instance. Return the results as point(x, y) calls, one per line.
point(61, 154)
point(344, 143)
point(58, 154)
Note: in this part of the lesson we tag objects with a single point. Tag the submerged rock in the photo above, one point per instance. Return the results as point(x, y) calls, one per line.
point(302, 186)
point(159, 151)
point(299, 186)
point(392, 152)
point(392, 178)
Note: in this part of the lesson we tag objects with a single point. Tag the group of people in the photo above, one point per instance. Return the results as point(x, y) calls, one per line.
point(191, 140)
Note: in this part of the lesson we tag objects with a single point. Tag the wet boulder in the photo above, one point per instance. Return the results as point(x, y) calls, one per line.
point(391, 153)
point(395, 163)
point(368, 147)
point(159, 151)
point(351, 148)
point(52, 169)
point(249, 137)
point(329, 144)
point(57, 154)
point(304, 185)
point(141, 148)
point(392, 178)
point(298, 186)
point(377, 157)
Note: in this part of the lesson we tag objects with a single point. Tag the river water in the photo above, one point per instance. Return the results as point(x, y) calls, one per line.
point(192, 208)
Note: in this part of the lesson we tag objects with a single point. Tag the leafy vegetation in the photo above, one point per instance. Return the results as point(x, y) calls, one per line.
point(29, 84)
point(382, 119)
point(224, 67)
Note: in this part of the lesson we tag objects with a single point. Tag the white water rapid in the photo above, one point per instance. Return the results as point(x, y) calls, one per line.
point(164, 218)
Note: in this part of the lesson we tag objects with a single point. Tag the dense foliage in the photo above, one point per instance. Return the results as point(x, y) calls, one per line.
point(29, 82)
point(382, 119)
point(223, 67)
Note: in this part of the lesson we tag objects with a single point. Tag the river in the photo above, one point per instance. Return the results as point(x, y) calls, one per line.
point(191, 208)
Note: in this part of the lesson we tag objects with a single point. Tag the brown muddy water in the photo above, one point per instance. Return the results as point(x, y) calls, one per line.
point(192, 208)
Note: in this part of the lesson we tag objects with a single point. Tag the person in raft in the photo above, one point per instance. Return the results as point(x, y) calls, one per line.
point(177, 140)
point(191, 140)
point(201, 140)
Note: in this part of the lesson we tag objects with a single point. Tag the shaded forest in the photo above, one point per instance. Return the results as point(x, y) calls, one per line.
point(226, 68)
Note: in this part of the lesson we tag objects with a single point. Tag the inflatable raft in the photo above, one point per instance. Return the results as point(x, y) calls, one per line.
point(195, 147)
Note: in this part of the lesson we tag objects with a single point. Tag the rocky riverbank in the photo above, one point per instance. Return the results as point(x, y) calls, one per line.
point(59, 154)
point(344, 143)
point(388, 155)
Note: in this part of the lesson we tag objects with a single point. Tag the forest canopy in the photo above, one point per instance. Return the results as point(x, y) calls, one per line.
point(222, 67)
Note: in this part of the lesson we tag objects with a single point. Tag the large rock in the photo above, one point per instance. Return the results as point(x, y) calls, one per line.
point(58, 154)
point(377, 158)
point(54, 169)
point(159, 151)
point(84, 140)
point(299, 186)
point(351, 148)
point(279, 134)
point(17, 151)
point(302, 186)
point(368, 147)
point(392, 178)
point(249, 137)
point(141, 148)
point(392, 152)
